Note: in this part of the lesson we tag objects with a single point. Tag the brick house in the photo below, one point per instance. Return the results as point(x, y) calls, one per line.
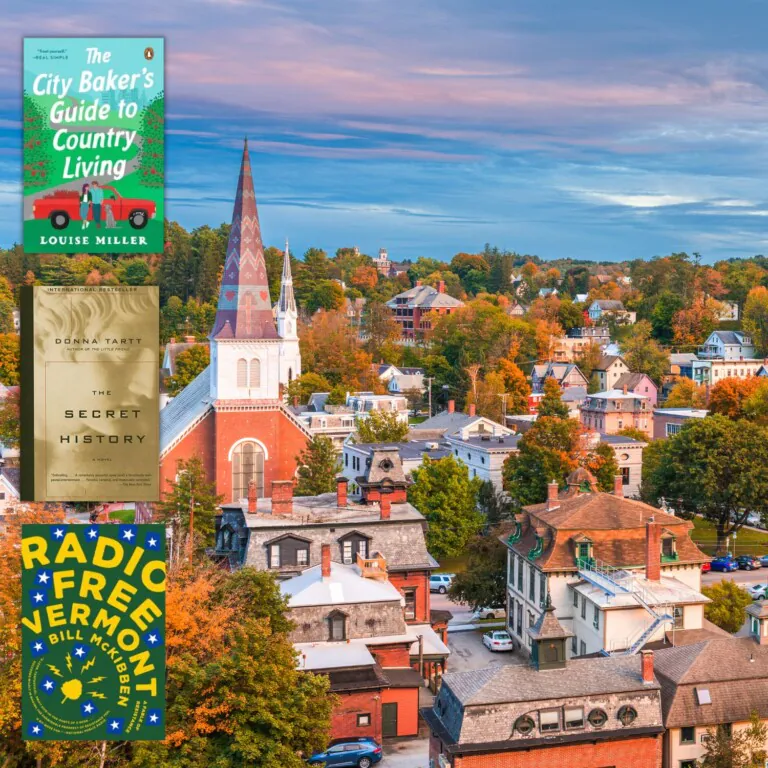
point(412, 308)
point(669, 421)
point(577, 714)
point(614, 410)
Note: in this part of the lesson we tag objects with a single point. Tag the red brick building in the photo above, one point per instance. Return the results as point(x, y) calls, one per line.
point(412, 308)
point(232, 415)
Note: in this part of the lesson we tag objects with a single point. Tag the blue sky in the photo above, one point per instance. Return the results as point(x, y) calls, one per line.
point(597, 130)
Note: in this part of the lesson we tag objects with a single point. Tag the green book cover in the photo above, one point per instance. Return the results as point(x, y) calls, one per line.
point(94, 150)
point(93, 632)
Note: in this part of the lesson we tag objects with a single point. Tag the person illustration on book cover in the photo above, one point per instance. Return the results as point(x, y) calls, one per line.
point(85, 198)
point(97, 198)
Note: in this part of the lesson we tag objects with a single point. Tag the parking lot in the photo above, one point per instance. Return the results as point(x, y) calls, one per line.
point(468, 653)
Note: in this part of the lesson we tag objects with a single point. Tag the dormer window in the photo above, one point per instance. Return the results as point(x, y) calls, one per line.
point(584, 549)
point(337, 626)
point(668, 546)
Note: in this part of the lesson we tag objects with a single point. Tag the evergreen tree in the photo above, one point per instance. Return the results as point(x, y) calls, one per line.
point(552, 403)
point(190, 363)
point(318, 466)
point(151, 168)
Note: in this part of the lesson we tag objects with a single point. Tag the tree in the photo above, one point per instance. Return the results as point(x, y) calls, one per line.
point(667, 306)
point(552, 403)
point(382, 332)
point(730, 394)
point(755, 319)
point(190, 505)
point(634, 434)
point(691, 326)
point(569, 315)
point(488, 397)
point(589, 359)
point(381, 427)
point(190, 363)
point(742, 748)
point(727, 609)
point(337, 395)
point(495, 505)
point(365, 278)
point(516, 386)
point(686, 393)
point(327, 294)
point(643, 354)
point(318, 466)
point(9, 419)
point(755, 407)
point(9, 359)
point(601, 462)
point(484, 583)
point(715, 468)
point(305, 385)
point(444, 493)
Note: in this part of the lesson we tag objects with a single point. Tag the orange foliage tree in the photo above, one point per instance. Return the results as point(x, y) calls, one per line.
point(692, 326)
point(728, 395)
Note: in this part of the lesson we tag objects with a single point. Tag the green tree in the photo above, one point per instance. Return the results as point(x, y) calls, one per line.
point(190, 505)
point(714, 467)
point(337, 395)
point(686, 393)
point(190, 363)
point(601, 462)
point(667, 306)
point(728, 607)
point(305, 385)
point(496, 506)
point(643, 354)
point(7, 305)
point(444, 493)
point(151, 168)
point(589, 359)
point(552, 403)
point(634, 433)
point(9, 420)
point(742, 748)
point(755, 320)
point(381, 427)
point(569, 315)
point(134, 272)
point(318, 466)
point(327, 294)
point(484, 582)
point(9, 359)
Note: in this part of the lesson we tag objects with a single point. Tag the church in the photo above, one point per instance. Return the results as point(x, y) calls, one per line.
point(232, 415)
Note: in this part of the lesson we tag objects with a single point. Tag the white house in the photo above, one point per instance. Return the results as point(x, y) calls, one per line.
point(712, 371)
point(727, 345)
point(9, 488)
point(602, 309)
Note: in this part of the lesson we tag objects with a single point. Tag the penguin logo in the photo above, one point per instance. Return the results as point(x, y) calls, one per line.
point(149, 53)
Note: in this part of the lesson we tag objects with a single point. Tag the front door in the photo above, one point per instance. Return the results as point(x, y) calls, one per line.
point(389, 720)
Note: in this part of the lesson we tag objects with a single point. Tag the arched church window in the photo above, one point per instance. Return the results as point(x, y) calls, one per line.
point(247, 465)
point(255, 377)
point(242, 373)
point(288, 328)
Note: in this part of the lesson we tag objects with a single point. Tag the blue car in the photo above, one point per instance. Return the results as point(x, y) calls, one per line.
point(362, 752)
point(726, 564)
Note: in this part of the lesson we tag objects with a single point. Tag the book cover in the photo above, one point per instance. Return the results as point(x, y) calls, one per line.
point(93, 632)
point(93, 133)
point(89, 393)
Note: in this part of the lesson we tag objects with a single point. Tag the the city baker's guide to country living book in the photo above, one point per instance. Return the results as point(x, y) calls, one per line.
point(94, 152)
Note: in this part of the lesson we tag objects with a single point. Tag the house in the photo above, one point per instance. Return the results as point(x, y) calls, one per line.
point(569, 348)
point(714, 370)
point(442, 423)
point(669, 421)
point(616, 409)
point(729, 311)
point(680, 366)
point(628, 453)
point(581, 713)
point(483, 445)
point(574, 398)
point(386, 372)
point(716, 683)
point(412, 308)
point(407, 382)
point(639, 384)
point(727, 345)
point(581, 298)
point(618, 572)
point(357, 456)
point(362, 403)
point(603, 309)
point(349, 625)
point(354, 309)
point(566, 375)
point(609, 370)
point(9, 488)
point(9, 456)
point(545, 293)
point(517, 309)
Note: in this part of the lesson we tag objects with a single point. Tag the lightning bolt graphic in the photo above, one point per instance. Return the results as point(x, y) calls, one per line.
point(96, 695)
point(95, 680)
point(88, 664)
point(54, 670)
point(69, 663)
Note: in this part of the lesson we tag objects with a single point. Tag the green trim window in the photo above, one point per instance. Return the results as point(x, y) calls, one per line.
point(532, 584)
point(688, 735)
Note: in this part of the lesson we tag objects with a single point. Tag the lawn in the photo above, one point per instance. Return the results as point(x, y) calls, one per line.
point(122, 515)
point(748, 540)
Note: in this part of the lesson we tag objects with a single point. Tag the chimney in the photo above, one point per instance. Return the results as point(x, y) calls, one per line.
point(441, 286)
point(652, 550)
point(552, 502)
point(189, 339)
point(341, 491)
point(451, 406)
point(418, 284)
point(386, 506)
point(624, 388)
point(618, 486)
point(646, 666)
point(325, 561)
point(251, 498)
point(472, 409)
point(282, 497)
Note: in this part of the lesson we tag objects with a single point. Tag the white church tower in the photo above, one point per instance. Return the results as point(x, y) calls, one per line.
point(287, 324)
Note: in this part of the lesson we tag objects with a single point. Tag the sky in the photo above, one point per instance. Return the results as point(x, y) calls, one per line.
point(590, 130)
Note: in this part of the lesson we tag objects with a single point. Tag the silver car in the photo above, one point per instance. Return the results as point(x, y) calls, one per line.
point(498, 640)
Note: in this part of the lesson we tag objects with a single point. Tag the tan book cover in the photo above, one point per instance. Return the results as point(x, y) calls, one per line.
point(90, 393)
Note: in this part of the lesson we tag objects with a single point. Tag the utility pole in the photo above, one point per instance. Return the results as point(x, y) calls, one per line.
point(191, 522)
point(504, 396)
point(430, 379)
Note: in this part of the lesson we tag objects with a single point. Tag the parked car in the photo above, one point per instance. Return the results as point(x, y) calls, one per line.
point(440, 582)
point(764, 561)
point(489, 613)
point(757, 591)
point(749, 562)
point(726, 564)
point(362, 752)
point(498, 640)
point(706, 567)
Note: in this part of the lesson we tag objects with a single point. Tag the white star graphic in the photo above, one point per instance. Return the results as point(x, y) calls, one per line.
point(58, 533)
point(114, 725)
point(153, 718)
point(43, 578)
point(79, 651)
point(38, 597)
point(92, 534)
point(152, 638)
point(152, 542)
point(128, 535)
point(38, 646)
point(35, 729)
point(47, 685)
point(88, 708)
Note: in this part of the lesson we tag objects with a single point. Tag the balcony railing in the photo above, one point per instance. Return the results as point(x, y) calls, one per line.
point(373, 567)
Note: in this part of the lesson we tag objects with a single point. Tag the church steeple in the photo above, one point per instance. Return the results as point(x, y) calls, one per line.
point(286, 306)
point(244, 309)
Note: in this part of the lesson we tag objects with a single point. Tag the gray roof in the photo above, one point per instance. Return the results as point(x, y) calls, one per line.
point(619, 440)
point(632, 380)
point(610, 304)
point(408, 381)
point(443, 421)
point(606, 361)
point(13, 476)
point(190, 405)
point(574, 394)
point(425, 296)
point(413, 449)
point(489, 443)
point(730, 337)
point(682, 358)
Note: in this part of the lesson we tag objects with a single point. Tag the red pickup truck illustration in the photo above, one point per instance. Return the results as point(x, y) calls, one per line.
point(64, 206)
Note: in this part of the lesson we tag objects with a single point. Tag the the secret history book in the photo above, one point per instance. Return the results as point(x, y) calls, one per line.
point(93, 133)
point(89, 394)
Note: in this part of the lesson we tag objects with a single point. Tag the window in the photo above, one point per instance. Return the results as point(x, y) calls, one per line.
point(597, 718)
point(688, 735)
point(242, 373)
point(363, 719)
point(519, 619)
point(627, 715)
point(582, 648)
point(549, 720)
point(346, 459)
point(347, 552)
point(524, 724)
point(584, 550)
point(532, 584)
point(574, 644)
point(531, 622)
point(625, 475)
point(678, 612)
point(596, 617)
point(254, 380)
point(520, 574)
point(302, 556)
point(410, 603)
point(274, 556)
point(575, 599)
point(574, 717)
point(672, 429)
point(542, 590)
point(337, 626)
point(668, 546)
point(688, 764)
point(247, 465)
point(511, 569)
point(754, 626)
point(583, 607)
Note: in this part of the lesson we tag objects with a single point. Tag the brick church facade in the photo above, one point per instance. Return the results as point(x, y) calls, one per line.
point(232, 415)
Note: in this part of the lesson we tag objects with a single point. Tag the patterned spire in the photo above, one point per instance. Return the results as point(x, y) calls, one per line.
point(244, 310)
point(287, 303)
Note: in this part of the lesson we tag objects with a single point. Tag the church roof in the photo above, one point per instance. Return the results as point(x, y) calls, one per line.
point(244, 310)
point(286, 302)
point(190, 405)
